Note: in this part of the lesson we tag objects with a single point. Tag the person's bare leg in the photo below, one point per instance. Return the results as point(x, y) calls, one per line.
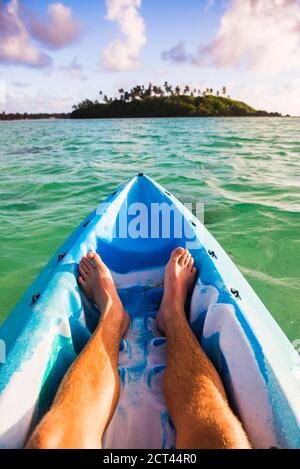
point(88, 394)
point(193, 390)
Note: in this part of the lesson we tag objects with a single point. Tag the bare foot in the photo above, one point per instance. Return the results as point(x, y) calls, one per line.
point(179, 280)
point(97, 283)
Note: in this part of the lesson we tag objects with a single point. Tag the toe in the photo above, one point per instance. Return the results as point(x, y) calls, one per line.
point(86, 264)
point(177, 254)
point(81, 280)
point(191, 264)
point(94, 257)
point(82, 271)
point(182, 260)
point(187, 259)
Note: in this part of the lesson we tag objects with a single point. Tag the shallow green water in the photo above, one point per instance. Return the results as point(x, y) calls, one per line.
point(246, 171)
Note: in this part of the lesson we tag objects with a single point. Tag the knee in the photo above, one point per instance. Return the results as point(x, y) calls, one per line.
point(62, 439)
point(43, 440)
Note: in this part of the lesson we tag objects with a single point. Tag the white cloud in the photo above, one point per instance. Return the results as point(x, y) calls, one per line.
point(16, 46)
point(58, 29)
point(261, 35)
point(284, 98)
point(20, 28)
point(123, 54)
point(39, 100)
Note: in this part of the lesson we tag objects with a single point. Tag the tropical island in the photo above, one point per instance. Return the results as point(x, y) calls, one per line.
point(166, 101)
point(155, 101)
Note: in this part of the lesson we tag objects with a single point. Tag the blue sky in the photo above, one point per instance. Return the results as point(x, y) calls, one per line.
point(53, 54)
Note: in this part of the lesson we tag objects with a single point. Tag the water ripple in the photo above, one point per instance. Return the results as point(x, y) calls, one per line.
point(245, 171)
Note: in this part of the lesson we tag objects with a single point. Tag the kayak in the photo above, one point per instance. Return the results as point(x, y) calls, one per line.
point(134, 230)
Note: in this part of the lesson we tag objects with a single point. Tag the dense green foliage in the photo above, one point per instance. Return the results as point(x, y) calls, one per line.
point(155, 101)
point(41, 115)
point(166, 106)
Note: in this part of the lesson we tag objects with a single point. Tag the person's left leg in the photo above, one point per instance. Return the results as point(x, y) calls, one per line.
point(194, 393)
point(88, 395)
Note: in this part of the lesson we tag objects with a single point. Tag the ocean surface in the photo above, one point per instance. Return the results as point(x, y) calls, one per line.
point(245, 170)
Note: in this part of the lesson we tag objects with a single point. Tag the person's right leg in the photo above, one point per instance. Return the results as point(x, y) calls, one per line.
point(89, 393)
point(193, 390)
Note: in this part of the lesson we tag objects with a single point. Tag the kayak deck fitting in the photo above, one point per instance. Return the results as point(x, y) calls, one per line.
point(54, 320)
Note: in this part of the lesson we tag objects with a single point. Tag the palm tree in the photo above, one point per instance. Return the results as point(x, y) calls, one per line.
point(177, 90)
point(160, 91)
point(168, 88)
point(149, 89)
point(135, 92)
point(155, 90)
point(121, 92)
point(186, 89)
point(132, 93)
point(224, 90)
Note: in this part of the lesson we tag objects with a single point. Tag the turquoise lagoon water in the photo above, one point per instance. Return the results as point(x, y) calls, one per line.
point(245, 170)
